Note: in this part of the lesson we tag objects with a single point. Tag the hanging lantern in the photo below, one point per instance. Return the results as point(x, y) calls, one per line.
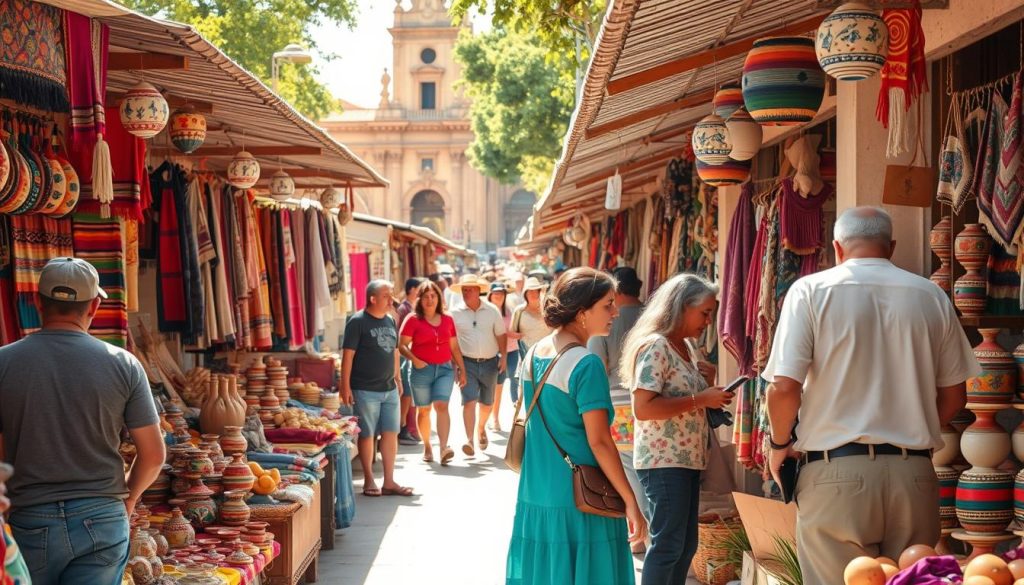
point(745, 134)
point(782, 82)
point(613, 192)
point(731, 172)
point(243, 171)
point(347, 206)
point(710, 140)
point(188, 129)
point(144, 111)
point(282, 186)
point(727, 100)
point(852, 42)
point(331, 198)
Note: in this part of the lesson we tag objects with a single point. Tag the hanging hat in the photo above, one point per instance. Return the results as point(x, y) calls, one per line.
point(472, 281)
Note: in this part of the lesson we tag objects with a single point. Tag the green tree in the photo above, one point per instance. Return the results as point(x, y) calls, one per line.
point(250, 31)
point(522, 99)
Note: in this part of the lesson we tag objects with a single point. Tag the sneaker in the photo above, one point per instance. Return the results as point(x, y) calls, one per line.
point(406, 438)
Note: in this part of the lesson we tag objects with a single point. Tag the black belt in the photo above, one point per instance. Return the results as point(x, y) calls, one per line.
point(851, 449)
point(479, 360)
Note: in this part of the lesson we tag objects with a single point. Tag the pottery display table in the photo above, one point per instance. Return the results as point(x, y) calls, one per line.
point(297, 528)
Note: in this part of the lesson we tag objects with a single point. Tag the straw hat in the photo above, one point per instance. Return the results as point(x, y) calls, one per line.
point(534, 283)
point(471, 280)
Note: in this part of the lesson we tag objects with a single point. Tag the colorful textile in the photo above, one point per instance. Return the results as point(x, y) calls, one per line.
point(98, 241)
point(742, 436)
point(622, 427)
point(296, 318)
point(9, 332)
point(800, 221)
point(1003, 283)
point(131, 182)
point(87, 50)
point(732, 310)
point(260, 315)
point(32, 59)
point(130, 240)
point(1001, 190)
point(169, 184)
point(904, 76)
point(14, 570)
point(36, 240)
point(930, 571)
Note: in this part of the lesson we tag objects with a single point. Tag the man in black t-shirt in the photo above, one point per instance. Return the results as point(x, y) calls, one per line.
point(371, 378)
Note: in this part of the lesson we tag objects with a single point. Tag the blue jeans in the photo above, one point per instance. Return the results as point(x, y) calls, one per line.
point(75, 541)
point(512, 375)
point(674, 496)
point(433, 383)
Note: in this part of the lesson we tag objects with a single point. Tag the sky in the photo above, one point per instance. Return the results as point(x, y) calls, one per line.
point(363, 53)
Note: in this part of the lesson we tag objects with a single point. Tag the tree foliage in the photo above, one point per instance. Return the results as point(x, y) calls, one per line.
point(522, 99)
point(251, 31)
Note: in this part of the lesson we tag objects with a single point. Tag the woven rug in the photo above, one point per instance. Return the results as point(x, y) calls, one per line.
point(98, 241)
point(32, 59)
point(36, 240)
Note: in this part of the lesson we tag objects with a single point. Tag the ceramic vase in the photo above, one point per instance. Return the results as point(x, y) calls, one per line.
point(232, 441)
point(188, 129)
point(243, 171)
point(745, 134)
point(221, 408)
point(970, 293)
point(941, 240)
point(140, 539)
point(852, 42)
point(783, 85)
point(985, 444)
point(237, 475)
point(162, 546)
point(950, 451)
point(199, 462)
point(234, 511)
point(200, 508)
point(972, 246)
point(998, 380)
point(1018, 497)
point(144, 111)
point(731, 172)
point(211, 442)
point(728, 99)
point(710, 140)
point(984, 500)
point(331, 197)
point(947, 496)
point(282, 186)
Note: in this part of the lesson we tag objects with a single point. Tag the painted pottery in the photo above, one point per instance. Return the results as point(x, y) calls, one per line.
point(998, 380)
point(221, 408)
point(144, 111)
point(728, 99)
point(1018, 496)
point(200, 509)
point(1018, 358)
point(941, 240)
point(211, 443)
point(852, 42)
point(188, 129)
point(972, 246)
point(783, 85)
point(331, 197)
point(237, 475)
point(985, 444)
point(947, 496)
point(238, 556)
point(970, 293)
point(745, 134)
point(710, 140)
point(282, 186)
point(199, 462)
point(243, 171)
point(1017, 437)
point(200, 574)
point(731, 172)
point(72, 192)
point(232, 441)
point(141, 539)
point(950, 451)
point(984, 500)
point(162, 546)
point(234, 511)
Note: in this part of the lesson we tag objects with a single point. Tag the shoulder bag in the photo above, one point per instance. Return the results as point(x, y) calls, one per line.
point(591, 490)
point(517, 435)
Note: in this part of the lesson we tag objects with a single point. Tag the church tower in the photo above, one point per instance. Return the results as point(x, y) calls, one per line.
point(425, 69)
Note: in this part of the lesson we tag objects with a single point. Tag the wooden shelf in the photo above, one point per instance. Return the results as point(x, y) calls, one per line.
point(993, 321)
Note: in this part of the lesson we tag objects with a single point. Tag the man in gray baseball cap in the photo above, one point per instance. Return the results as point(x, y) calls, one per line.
point(64, 398)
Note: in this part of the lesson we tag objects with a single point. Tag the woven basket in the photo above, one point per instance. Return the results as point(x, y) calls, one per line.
point(712, 530)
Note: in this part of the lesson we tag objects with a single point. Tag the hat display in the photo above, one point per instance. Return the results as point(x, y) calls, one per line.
point(70, 279)
point(472, 281)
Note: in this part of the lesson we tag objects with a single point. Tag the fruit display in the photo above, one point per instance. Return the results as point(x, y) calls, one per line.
point(297, 418)
point(922, 562)
point(267, 480)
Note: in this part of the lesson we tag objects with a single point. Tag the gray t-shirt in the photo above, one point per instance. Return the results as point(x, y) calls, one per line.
point(65, 396)
point(609, 350)
point(374, 341)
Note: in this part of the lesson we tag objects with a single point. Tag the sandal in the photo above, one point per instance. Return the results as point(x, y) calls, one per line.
point(398, 491)
point(428, 458)
point(372, 492)
point(447, 455)
point(483, 441)
point(468, 450)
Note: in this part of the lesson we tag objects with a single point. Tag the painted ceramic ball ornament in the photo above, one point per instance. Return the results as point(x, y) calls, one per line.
point(711, 140)
point(745, 134)
point(331, 198)
point(188, 129)
point(728, 99)
point(282, 186)
point(144, 111)
point(783, 85)
point(243, 171)
point(731, 172)
point(852, 42)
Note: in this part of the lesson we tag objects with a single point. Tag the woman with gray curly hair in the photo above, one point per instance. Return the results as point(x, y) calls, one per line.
point(671, 434)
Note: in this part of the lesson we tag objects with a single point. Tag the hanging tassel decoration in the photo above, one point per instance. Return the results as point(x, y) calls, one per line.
point(904, 77)
point(102, 176)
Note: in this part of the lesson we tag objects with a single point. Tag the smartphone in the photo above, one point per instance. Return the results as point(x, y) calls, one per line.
point(736, 384)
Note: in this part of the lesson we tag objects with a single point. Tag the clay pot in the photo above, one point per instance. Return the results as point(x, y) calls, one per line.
point(1018, 358)
point(970, 293)
point(984, 500)
point(237, 475)
point(200, 509)
point(199, 462)
point(232, 441)
point(222, 407)
point(998, 380)
point(141, 543)
point(947, 496)
point(162, 546)
point(941, 239)
point(985, 444)
point(949, 453)
point(972, 247)
point(210, 442)
point(234, 511)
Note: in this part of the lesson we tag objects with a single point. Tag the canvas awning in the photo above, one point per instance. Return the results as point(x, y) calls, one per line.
point(413, 232)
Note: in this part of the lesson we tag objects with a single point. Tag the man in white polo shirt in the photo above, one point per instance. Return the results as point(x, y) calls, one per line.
point(482, 340)
point(874, 361)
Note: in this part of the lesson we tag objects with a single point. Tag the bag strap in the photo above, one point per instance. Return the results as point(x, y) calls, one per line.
point(561, 451)
point(543, 380)
point(517, 316)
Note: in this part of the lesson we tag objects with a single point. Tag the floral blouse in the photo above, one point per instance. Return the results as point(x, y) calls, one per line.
point(682, 440)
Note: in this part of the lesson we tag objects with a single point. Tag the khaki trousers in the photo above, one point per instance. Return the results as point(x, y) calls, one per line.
point(859, 505)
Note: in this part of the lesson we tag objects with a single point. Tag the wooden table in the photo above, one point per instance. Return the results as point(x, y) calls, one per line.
point(297, 528)
point(327, 503)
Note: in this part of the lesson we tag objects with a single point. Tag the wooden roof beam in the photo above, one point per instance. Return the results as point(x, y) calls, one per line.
point(230, 151)
point(145, 61)
point(625, 169)
point(712, 55)
point(680, 103)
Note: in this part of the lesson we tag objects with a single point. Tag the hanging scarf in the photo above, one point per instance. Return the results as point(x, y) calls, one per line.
point(260, 318)
point(9, 332)
point(268, 229)
point(296, 318)
point(32, 60)
point(130, 182)
point(172, 314)
point(206, 323)
point(731, 313)
point(904, 76)
point(225, 329)
point(800, 220)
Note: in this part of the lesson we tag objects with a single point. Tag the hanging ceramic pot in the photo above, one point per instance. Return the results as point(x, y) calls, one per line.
point(782, 82)
point(745, 134)
point(59, 180)
point(35, 171)
point(941, 239)
point(331, 198)
point(727, 100)
point(710, 140)
point(243, 171)
point(39, 151)
point(144, 111)
point(188, 129)
point(852, 42)
point(998, 380)
point(731, 172)
point(984, 500)
point(282, 186)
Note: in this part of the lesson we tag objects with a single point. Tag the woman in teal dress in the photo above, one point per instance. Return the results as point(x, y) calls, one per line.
point(552, 541)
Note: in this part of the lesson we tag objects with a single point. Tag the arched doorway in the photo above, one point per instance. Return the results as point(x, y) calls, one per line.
point(518, 210)
point(428, 211)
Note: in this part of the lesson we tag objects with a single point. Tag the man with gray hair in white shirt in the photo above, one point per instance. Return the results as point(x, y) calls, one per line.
point(874, 361)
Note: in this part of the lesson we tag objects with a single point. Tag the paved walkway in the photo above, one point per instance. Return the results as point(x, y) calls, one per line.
point(454, 532)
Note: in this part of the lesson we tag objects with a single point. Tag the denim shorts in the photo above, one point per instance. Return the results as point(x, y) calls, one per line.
point(433, 383)
point(378, 412)
point(481, 378)
point(510, 372)
point(405, 366)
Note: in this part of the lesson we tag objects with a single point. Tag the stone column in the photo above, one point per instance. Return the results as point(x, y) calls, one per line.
point(457, 193)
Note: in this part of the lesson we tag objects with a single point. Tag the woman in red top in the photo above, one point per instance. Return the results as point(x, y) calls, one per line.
point(429, 341)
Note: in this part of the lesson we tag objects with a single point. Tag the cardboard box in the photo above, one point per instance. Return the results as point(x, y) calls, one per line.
point(763, 519)
point(755, 573)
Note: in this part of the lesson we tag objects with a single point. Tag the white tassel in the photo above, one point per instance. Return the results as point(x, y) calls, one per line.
point(102, 176)
point(899, 133)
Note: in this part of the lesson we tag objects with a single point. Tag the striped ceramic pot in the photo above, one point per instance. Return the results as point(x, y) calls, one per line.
point(731, 172)
point(728, 99)
point(947, 496)
point(970, 293)
point(998, 380)
point(972, 246)
point(783, 85)
point(984, 500)
point(1018, 497)
point(941, 240)
point(1018, 358)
